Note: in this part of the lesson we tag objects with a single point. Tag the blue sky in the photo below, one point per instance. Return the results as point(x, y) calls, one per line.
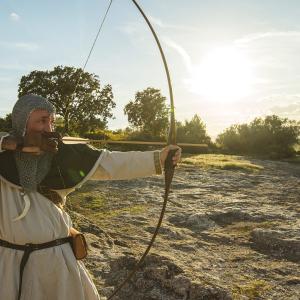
point(230, 61)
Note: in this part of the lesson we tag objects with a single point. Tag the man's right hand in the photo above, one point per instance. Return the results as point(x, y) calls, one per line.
point(37, 143)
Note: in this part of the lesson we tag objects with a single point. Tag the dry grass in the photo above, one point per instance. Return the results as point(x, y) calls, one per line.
point(252, 289)
point(220, 161)
point(103, 207)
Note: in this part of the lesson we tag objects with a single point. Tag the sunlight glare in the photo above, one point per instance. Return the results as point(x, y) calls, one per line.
point(224, 75)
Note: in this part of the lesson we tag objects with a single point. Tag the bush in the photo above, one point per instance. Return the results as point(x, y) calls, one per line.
point(273, 137)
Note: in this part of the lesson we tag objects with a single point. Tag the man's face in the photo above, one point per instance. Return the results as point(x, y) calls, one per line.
point(40, 121)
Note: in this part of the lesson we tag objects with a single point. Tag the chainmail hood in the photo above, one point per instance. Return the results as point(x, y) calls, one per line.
point(31, 168)
point(23, 108)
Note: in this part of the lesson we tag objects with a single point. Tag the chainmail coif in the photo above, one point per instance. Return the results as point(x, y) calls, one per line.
point(32, 169)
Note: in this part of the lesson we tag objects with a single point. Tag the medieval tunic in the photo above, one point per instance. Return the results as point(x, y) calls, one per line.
point(54, 273)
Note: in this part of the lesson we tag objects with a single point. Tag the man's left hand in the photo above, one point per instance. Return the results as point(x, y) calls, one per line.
point(164, 153)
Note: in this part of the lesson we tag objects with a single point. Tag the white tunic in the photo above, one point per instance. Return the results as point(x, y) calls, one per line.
point(54, 273)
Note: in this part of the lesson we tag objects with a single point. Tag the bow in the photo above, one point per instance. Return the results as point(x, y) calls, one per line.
point(169, 167)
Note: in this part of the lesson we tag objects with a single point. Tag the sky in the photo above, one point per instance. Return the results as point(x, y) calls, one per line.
point(230, 60)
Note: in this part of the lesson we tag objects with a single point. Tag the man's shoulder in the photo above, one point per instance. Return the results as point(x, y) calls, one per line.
point(71, 165)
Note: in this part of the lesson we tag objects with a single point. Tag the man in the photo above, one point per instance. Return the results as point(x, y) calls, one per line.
point(37, 172)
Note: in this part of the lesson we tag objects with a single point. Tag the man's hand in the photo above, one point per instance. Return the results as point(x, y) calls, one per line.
point(10, 142)
point(164, 153)
point(38, 143)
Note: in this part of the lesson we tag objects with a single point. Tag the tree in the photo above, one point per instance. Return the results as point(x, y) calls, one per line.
point(76, 95)
point(193, 131)
point(148, 112)
point(272, 136)
point(6, 123)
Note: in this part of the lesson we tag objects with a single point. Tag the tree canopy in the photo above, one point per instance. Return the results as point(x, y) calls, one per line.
point(272, 136)
point(6, 123)
point(148, 112)
point(77, 96)
point(193, 131)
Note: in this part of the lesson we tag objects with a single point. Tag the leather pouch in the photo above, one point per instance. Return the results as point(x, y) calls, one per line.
point(79, 246)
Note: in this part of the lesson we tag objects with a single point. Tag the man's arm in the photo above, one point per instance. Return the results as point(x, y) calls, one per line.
point(127, 165)
point(133, 164)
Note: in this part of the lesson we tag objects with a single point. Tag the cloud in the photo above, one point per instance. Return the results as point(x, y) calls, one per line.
point(263, 35)
point(20, 45)
point(135, 27)
point(27, 46)
point(283, 105)
point(130, 28)
point(291, 111)
point(156, 21)
point(293, 108)
point(14, 17)
point(159, 23)
point(181, 51)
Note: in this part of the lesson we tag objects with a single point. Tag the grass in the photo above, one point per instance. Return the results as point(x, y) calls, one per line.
point(252, 290)
point(101, 207)
point(82, 201)
point(132, 210)
point(220, 161)
point(241, 231)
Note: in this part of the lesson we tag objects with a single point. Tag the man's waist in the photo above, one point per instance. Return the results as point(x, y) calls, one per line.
point(35, 246)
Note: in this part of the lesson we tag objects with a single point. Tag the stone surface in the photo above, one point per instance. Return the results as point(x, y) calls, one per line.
point(226, 235)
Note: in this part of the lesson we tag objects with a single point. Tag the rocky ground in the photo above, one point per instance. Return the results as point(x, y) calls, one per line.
point(227, 234)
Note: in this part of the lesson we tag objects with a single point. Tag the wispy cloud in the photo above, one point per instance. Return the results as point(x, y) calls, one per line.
point(281, 104)
point(291, 111)
point(20, 45)
point(159, 23)
point(134, 27)
point(263, 35)
point(156, 21)
point(181, 51)
point(14, 17)
point(130, 28)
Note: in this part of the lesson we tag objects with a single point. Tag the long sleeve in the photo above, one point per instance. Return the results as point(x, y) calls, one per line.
point(127, 165)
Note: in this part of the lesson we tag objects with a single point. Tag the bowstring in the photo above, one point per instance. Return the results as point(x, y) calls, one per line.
point(92, 47)
point(84, 66)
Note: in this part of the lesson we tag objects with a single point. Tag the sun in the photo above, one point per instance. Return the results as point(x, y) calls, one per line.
point(224, 75)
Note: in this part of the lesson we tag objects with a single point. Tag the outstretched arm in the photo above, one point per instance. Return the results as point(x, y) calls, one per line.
point(133, 164)
point(127, 165)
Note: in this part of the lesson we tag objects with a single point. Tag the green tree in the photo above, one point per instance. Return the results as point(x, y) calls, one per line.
point(76, 95)
point(193, 131)
point(6, 123)
point(272, 136)
point(148, 112)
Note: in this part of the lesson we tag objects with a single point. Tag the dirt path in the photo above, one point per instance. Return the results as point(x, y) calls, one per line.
point(227, 234)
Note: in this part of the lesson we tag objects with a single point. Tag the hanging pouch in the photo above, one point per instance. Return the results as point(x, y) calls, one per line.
point(79, 246)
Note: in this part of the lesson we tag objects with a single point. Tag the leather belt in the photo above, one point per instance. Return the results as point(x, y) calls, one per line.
point(28, 249)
